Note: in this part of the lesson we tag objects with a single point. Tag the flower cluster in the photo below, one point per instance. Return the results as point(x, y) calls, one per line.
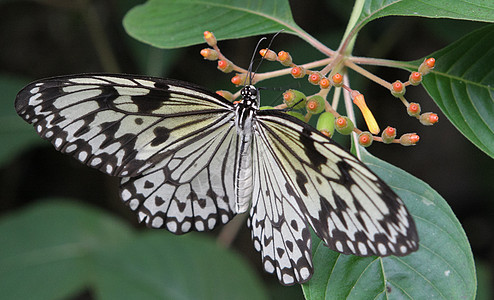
point(328, 77)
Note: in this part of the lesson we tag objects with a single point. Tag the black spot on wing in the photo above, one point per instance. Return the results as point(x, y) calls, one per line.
point(161, 135)
point(316, 158)
point(346, 179)
point(153, 100)
point(159, 201)
point(301, 180)
point(108, 94)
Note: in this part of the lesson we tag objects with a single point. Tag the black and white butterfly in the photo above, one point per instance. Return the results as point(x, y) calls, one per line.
point(190, 160)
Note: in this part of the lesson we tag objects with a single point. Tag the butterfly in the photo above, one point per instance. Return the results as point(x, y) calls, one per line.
point(189, 160)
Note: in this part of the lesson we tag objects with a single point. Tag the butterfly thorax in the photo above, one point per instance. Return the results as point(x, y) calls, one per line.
point(244, 120)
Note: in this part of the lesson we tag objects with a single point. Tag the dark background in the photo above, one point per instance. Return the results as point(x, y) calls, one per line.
point(47, 38)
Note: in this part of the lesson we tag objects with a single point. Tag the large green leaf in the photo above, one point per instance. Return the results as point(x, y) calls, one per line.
point(179, 23)
point(462, 85)
point(442, 268)
point(474, 10)
point(57, 249)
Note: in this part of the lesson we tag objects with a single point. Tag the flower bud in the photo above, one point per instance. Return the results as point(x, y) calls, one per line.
point(225, 66)
point(298, 72)
point(413, 109)
point(294, 99)
point(429, 118)
point(225, 94)
point(365, 139)
point(324, 83)
point(388, 135)
point(314, 77)
point(415, 78)
point(285, 58)
point(268, 54)
point(337, 79)
point(409, 139)
point(398, 89)
point(239, 79)
point(344, 125)
point(427, 65)
point(315, 104)
point(209, 54)
point(210, 38)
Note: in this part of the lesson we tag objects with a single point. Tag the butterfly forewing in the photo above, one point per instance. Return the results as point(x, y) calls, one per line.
point(119, 124)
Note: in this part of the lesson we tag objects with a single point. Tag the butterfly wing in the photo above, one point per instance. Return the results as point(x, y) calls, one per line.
point(278, 227)
point(151, 131)
point(347, 205)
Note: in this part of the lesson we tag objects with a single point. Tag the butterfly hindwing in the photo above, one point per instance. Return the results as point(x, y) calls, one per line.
point(279, 229)
point(192, 189)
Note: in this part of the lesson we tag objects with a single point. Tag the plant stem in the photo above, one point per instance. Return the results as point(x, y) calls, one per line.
point(349, 36)
point(368, 74)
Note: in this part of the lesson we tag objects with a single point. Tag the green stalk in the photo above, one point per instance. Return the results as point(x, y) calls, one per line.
point(350, 35)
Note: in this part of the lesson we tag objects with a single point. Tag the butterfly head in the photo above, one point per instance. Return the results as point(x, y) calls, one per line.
point(250, 95)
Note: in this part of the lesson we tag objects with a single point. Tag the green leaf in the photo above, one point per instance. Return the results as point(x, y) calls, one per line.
point(473, 10)
point(462, 85)
point(57, 249)
point(442, 268)
point(47, 249)
point(15, 134)
point(180, 23)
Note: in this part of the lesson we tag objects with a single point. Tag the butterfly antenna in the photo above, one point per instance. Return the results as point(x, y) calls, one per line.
point(249, 72)
point(269, 46)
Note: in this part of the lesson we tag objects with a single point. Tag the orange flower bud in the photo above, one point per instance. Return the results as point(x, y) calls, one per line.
point(298, 72)
point(285, 58)
point(225, 94)
point(225, 66)
point(409, 139)
point(398, 89)
point(429, 118)
point(413, 109)
point(415, 78)
point(315, 77)
point(337, 79)
point(324, 83)
point(268, 54)
point(365, 139)
point(210, 38)
point(239, 79)
point(209, 54)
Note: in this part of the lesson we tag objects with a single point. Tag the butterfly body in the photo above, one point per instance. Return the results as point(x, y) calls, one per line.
point(190, 160)
point(244, 123)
